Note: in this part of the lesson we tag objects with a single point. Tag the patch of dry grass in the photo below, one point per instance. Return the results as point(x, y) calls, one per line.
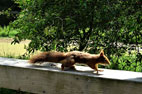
point(6, 49)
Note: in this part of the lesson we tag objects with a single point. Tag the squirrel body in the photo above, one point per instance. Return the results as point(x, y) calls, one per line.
point(70, 58)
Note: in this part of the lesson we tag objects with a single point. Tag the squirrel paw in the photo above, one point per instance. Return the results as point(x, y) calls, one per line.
point(99, 71)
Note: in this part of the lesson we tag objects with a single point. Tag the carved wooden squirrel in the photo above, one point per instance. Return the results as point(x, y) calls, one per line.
point(70, 58)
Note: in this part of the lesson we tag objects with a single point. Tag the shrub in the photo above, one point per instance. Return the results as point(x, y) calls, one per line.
point(130, 63)
point(6, 31)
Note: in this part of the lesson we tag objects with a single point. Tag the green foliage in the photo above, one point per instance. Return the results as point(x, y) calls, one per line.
point(6, 31)
point(130, 63)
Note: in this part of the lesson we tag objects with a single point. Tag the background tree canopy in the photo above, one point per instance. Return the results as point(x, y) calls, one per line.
point(90, 25)
point(5, 6)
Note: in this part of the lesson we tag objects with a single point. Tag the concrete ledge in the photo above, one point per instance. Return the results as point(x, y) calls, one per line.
point(49, 79)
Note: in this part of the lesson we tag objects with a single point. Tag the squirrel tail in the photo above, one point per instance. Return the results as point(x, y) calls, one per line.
point(38, 58)
point(48, 57)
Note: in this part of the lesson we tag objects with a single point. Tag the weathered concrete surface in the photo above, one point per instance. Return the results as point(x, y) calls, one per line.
point(49, 79)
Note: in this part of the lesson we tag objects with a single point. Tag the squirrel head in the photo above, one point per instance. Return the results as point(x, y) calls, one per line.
point(103, 59)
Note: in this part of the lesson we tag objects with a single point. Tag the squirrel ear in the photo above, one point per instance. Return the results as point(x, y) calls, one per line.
point(102, 53)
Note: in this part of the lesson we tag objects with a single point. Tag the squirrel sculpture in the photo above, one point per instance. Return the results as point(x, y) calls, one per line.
point(70, 58)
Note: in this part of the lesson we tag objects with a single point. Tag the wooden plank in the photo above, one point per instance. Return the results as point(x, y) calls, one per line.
point(48, 79)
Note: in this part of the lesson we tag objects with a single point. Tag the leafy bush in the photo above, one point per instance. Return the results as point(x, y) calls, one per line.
point(6, 31)
point(130, 63)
